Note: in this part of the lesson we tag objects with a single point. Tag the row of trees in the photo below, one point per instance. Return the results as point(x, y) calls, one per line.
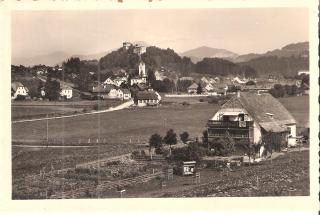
point(279, 90)
point(170, 139)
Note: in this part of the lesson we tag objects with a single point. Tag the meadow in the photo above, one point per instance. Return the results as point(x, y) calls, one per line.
point(136, 124)
point(38, 109)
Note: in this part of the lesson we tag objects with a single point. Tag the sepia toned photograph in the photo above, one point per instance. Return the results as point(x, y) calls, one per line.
point(159, 103)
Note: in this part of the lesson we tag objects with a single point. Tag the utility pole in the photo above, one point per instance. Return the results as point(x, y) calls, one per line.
point(47, 131)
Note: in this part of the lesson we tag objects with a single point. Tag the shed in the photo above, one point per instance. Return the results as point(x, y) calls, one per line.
point(188, 167)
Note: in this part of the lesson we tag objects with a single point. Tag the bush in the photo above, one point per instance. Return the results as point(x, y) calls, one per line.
point(20, 98)
point(96, 107)
point(223, 146)
point(201, 100)
point(193, 152)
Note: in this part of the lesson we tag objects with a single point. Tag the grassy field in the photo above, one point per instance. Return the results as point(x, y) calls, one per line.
point(38, 109)
point(298, 106)
point(136, 124)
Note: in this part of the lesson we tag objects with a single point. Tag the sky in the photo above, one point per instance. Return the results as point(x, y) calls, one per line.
point(241, 30)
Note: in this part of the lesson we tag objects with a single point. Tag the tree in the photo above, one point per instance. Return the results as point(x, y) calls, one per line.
point(277, 91)
point(52, 89)
point(170, 138)
point(155, 141)
point(199, 89)
point(151, 78)
point(184, 137)
point(205, 140)
point(251, 83)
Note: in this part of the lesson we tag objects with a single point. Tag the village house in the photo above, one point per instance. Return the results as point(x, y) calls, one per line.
point(204, 80)
point(98, 90)
point(109, 81)
point(66, 91)
point(147, 98)
point(17, 88)
point(118, 81)
point(123, 94)
point(252, 117)
point(208, 87)
point(113, 93)
point(192, 89)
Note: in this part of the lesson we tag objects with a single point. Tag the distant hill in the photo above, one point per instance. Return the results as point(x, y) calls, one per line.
point(50, 59)
point(274, 65)
point(95, 56)
point(294, 49)
point(199, 53)
point(54, 58)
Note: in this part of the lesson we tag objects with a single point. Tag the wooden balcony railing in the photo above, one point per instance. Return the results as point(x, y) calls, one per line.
point(229, 124)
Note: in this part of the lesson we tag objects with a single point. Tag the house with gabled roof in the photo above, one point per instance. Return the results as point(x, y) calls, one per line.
point(147, 98)
point(192, 89)
point(17, 88)
point(123, 94)
point(251, 117)
point(66, 91)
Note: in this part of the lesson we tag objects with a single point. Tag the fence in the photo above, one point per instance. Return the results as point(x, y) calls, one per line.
point(184, 95)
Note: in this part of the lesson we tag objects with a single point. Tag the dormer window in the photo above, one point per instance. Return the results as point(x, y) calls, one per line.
point(270, 115)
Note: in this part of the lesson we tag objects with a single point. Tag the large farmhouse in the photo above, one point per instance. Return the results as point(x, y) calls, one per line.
point(147, 98)
point(251, 116)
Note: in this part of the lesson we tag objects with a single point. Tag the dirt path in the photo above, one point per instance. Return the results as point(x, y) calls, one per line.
point(119, 107)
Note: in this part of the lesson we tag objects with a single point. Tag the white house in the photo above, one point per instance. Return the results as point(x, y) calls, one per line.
point(209, 87)
point(17, 88)
point(66, 91)
point(118, 81)
point(147, 98)
point(109, 81)
point(253, 117)
point(204, 80)
point(113, 93)
point(123, 94)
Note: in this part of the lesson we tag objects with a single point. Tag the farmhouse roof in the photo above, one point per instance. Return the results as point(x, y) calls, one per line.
point(193, 86)
point(147, 95)
point(266, 110)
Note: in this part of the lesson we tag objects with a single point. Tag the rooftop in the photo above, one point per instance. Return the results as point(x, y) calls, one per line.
point(266, 110)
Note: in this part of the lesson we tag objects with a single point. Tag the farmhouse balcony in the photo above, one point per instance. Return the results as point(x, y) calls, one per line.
point(229, 124)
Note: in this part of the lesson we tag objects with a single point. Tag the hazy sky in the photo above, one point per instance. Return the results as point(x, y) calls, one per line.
point(87, 32)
